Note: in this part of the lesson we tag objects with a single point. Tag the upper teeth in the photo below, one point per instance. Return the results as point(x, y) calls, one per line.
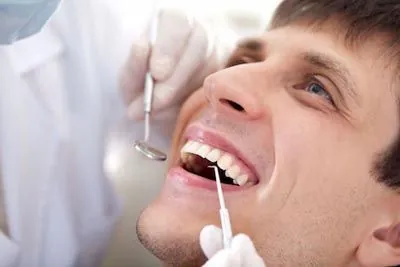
point(224, 160)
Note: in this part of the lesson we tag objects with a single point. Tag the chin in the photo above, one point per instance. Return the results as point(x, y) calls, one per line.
point(163, 231)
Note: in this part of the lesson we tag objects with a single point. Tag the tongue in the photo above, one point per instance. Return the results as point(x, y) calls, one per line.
point(200, 166)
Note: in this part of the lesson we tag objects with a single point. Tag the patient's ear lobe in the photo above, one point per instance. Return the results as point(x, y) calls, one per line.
point(381, 248)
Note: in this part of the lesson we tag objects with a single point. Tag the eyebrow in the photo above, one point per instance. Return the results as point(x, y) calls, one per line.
point(327, 63)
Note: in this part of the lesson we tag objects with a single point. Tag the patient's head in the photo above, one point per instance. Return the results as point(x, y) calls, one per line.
point(305, 119)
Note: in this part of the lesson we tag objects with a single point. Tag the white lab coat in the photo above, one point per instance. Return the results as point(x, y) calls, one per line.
point(57, 92)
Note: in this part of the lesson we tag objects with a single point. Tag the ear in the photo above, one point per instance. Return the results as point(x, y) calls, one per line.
point(381, 248)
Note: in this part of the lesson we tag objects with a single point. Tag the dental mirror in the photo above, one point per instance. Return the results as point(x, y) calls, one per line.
point(143, 146)
point(149, 151)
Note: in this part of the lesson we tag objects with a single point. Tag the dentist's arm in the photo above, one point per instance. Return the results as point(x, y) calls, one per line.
point(242, 252)
point(185, 52)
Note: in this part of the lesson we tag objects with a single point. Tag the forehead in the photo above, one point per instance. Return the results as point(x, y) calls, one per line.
point(371, 45)
point(331, 36)
point(372, 56)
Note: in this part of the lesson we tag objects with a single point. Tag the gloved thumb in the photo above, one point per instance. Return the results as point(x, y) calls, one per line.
point(133, 74)
point(211, 240)
point(173, 32)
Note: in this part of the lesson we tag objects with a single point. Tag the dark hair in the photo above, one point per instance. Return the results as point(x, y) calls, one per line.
point(358, 20)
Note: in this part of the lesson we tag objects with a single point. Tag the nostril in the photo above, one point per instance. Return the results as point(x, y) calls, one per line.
point(232, 104)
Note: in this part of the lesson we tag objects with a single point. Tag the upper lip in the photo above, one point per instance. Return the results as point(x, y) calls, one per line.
point(197, 133)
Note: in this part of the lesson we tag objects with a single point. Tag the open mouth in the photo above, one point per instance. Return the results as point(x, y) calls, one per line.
point(197, 157)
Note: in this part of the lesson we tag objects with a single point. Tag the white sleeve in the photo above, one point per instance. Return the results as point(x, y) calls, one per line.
point(8, 252)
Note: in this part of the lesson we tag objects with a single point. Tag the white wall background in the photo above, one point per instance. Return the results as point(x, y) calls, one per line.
point(245, 17)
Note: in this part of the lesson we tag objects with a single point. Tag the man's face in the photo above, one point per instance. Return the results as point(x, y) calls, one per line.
point(304, 126)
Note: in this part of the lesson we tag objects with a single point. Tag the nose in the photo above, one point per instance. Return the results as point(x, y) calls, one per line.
point(233, 93)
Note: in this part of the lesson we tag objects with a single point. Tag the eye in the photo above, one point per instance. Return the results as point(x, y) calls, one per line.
point(316, 88)
point(237, 59)
point(313, 91)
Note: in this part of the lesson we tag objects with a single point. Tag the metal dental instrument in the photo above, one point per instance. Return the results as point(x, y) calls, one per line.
point(143, 146)
point(223, 212)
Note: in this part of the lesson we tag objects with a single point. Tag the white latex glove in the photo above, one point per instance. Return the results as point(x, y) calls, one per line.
point(241, 253)
point(184, 53)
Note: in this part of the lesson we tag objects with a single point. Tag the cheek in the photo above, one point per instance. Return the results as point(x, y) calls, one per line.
point(320, 164)
point(317, 149)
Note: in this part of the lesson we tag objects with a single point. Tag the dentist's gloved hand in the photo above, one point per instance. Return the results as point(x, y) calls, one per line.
point(241, 253)
point(185, 52)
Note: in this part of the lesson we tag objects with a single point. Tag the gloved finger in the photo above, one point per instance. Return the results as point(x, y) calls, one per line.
point(223, 258)
point(133, 74)
point(174, 89)
point(242, 245)
point(174, 29)
point(211, 240)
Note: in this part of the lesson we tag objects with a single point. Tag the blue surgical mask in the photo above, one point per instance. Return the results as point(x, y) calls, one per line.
point(22, 18)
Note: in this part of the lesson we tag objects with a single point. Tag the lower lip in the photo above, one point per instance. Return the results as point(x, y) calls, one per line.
point(178, 175)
